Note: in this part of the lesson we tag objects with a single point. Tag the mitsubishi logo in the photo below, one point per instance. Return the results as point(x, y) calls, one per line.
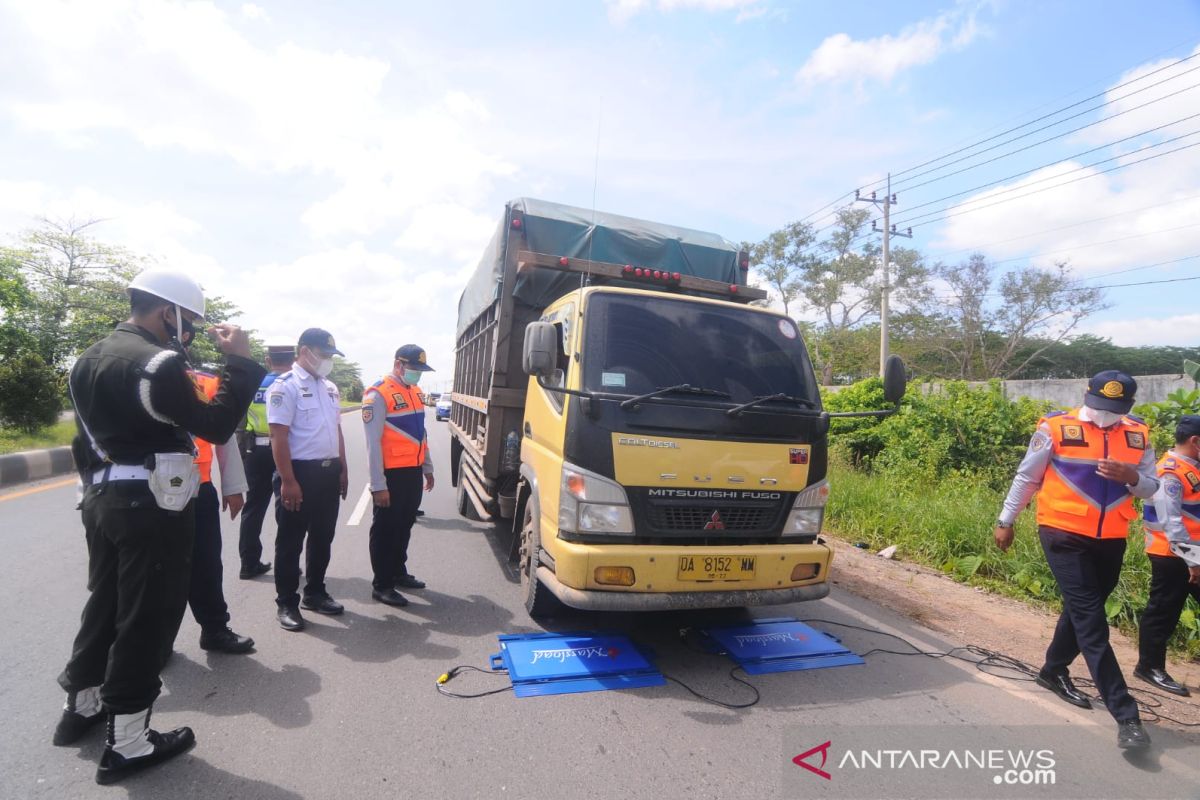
point(715, 523)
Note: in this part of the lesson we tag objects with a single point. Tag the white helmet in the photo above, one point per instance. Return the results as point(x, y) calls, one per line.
point(172, 286)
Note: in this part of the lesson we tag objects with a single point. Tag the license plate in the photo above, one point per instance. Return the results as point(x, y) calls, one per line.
point(716, 568)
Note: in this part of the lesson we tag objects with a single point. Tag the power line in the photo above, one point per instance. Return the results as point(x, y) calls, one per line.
point(978, 248)
point(1049, 188)
point(1093, 244)
point(1073, 285)
point(1052, 114)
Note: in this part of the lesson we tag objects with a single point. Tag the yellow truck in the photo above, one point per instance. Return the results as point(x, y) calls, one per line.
point(651, 439)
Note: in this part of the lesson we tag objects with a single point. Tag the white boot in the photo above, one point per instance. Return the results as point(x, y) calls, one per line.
point(85, 702)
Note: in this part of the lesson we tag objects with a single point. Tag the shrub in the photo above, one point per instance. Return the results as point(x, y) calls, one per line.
point(30, 393)
point(1163, 417)
point(858, 438)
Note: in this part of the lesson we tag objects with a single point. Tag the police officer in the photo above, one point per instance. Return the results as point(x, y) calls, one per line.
point(206, 597)
point(303, 410)
point(259, 466)
point(1086, 466)
point(135, 407)
point(1173, 546)
point(398, 455)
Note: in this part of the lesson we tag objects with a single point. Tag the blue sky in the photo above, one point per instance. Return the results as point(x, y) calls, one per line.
point(344, 164)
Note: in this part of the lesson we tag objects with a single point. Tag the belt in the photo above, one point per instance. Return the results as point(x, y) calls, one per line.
point(320, 462)
point(262, 440)
point(120, 472)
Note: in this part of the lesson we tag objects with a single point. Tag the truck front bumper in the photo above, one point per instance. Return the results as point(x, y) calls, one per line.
point(595, 600)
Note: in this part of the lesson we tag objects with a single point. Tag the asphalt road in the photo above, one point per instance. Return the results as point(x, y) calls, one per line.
point(348, 708)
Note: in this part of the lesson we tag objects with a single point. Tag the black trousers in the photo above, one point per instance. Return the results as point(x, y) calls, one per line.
point(1169, 591)
point(260, 471)
point(320, 482)
point(206, 595)
point(391, 527)
point(139, 568)
point(1087, 570)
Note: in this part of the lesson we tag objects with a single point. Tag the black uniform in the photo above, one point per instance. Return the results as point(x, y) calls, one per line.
point(133, 398)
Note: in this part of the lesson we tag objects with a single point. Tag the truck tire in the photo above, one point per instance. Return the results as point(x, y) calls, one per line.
point(540, 602)
point(466, 508)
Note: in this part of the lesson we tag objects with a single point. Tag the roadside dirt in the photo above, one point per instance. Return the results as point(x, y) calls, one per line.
point(973, 616)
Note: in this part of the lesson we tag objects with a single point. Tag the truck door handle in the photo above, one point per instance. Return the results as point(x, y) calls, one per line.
point(528, 431)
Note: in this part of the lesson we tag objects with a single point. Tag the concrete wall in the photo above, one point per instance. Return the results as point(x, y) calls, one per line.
point(1069, 392)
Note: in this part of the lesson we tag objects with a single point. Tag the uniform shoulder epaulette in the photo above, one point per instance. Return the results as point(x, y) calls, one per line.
point(287, 376)
point(1050, 414)
point(1169, 463)
point(1135, 418)
point(377, 383)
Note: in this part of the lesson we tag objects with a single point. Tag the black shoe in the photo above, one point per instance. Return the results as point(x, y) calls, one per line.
point(322, 604)
point(1160, 678)
point(409, 582)
point(290, 619)
point(1132, 736)
point(420, 513)
point(391, 597)
point(1062, 686)
point(225, 641)
point(113, 766)
point(72, 726)
point(254, 570)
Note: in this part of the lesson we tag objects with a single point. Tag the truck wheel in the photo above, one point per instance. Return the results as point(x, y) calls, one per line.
point(465, 507)
point(540, 602)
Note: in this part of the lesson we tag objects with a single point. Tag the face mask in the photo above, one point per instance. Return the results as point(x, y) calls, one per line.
point(1104, 419)
point(324, 367)
point(184, 333)
point(412, 377)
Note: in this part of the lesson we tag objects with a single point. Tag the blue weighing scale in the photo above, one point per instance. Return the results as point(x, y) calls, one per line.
point(565, 663)
point(779, 645)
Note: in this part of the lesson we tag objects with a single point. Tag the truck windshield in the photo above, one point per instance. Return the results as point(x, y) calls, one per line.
point(636, 344)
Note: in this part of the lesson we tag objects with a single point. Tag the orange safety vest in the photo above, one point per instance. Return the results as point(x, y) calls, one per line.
point(206, 387)
point(1189, 476)
point(403, 440)
point(1073, 497)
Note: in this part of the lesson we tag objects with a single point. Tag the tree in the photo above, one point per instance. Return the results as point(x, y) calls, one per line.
point(779, 258)
point(348, 377)
point(986, 328)
point(31, 393)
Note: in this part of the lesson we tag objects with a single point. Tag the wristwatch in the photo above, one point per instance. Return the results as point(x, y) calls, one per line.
point(1002, 524)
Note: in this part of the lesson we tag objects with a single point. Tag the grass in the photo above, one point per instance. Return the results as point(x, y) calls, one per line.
point(13, 441)
point(948, 525)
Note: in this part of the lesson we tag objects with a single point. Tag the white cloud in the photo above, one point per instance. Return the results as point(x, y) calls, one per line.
point(1176, 330)
point(251, 11)
point(841, 59)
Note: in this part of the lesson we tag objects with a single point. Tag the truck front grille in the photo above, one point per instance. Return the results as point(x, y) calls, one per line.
point(712, 518)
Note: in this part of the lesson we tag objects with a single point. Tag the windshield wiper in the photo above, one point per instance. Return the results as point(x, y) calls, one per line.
point(686, 388)
point(736, 410)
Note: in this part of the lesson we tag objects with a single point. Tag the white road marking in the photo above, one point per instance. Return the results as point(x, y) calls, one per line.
point(364, 503)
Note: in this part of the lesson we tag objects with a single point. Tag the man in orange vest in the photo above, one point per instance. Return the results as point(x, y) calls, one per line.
point(1086, 466)
point(1173, 545)
point(398, 456)
point(206, 594)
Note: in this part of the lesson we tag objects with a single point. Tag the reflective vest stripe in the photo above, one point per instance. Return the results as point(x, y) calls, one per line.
point(1073, 497)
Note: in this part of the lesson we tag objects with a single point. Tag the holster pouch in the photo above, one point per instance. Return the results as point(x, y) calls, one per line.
point(174, 480)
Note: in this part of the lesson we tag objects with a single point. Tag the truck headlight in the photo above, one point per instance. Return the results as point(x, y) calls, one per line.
point(808, 512)
point(590, 503)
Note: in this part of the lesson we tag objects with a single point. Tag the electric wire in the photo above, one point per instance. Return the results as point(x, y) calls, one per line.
point(1094, 244)
point(453, 672)
point(1056, 112)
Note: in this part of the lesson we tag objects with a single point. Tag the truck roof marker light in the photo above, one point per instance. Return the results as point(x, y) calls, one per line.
point(676, 276)
point(638, 272)
point(658, 274)
point(628, 269)
point(562, 262)
point(516, 223)
point(733, 289)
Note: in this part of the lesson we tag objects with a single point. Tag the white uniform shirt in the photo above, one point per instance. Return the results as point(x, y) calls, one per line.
point(309, 406)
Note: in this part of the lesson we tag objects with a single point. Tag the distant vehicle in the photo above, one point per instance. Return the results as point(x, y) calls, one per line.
point(441, 411)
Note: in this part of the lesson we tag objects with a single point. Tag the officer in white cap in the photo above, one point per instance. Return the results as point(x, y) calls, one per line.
point(136, 410)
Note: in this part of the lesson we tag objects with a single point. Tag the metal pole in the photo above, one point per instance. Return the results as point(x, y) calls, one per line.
point(883, 303)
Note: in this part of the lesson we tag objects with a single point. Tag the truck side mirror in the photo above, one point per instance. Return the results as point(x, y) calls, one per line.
point(541, 349)
point(895, 379)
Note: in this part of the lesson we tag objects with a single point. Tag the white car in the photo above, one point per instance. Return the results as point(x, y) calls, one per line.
point(441, 411)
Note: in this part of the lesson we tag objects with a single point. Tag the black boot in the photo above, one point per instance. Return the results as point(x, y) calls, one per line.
point(133, 746)
point(81, 713)
point(224, 640)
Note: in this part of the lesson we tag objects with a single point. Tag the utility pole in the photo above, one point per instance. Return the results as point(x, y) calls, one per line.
point(888, 231)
